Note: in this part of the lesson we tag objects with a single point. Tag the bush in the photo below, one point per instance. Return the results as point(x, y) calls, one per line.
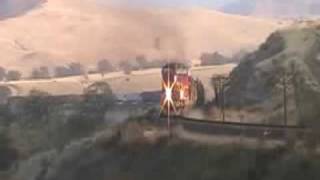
point(73, 69)
point(81, 125)
point(13, 75)
point(104, 66)
point(200, 93)
point(40, 73)
point(8, 154)
point(5, 115)
point(38, 103)
point(61, 71)
point(76, 69)
point(3, 74)
point(156, 63)
point(127, 67)
point(216, 58)
point(5, 93)
point(142, 62)
point(99, 97)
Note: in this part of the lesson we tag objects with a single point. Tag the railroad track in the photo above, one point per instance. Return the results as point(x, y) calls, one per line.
point(218, 128)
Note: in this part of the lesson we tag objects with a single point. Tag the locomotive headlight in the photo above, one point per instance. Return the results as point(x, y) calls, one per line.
point(168, 100)
point(168, 91)
point(168, 94)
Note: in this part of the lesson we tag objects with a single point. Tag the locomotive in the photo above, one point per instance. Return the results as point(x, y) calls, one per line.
point(180, 91)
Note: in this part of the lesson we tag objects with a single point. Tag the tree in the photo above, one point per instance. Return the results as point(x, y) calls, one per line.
point(79, 125)
point(104, 66)
point(73, 69)
point(99, 96)
point(40, 73)
point(215, 58)
point(44, 72)
point(5, 93)
point(8, 154)
point(126, 66)
point(2, 74)
point(200, 93)
point(284, 81)
point(99, 88)
point(61, 71)
point(219, 84)
point(142, 62)
point(13, 75)
point(156, 63)
point(38, 103)
point(237, 57)
point(35, 73)
point(76, 69)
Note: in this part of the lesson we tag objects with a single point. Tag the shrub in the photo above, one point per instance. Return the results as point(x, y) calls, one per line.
point(98, 97)
point(216, 58)
point(76, 69)
point(37, 104)
point(104, 66)
point(5, 93)
point(13, 75)
point(40, 73)
point(8, 154)
point(3, 74)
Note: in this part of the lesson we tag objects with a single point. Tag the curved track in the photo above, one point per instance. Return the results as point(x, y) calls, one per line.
point(218, 128)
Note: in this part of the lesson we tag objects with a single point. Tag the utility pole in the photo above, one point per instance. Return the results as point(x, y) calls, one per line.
point(285, 103)
point(296, 83)
point(219, 88)
point(223, 100)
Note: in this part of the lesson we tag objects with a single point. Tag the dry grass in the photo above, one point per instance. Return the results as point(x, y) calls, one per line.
point(61, 31)
point(137, 82)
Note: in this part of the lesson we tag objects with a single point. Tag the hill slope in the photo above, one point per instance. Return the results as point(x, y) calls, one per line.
point(61, 31)
point(291, 54)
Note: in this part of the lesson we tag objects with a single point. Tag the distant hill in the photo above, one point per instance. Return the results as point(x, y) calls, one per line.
point(257, 80)
point(61, 31)
point(244, 7)
point(274, 8)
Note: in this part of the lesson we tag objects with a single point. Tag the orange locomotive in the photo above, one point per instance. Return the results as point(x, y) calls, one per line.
point(180, 92)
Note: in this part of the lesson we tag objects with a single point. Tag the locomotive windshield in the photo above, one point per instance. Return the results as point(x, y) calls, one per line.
point(177, 68)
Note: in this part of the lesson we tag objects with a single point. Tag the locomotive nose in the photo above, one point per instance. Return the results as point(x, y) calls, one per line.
point(168, 93)
point(182, 96)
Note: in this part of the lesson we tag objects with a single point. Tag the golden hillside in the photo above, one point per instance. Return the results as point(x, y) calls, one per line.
point(62, 31)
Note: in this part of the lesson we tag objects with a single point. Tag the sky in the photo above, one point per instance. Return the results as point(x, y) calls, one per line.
point(170, 3)
point(274, 8)
point(12, 7)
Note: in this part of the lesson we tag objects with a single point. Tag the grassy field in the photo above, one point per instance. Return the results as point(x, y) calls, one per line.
point(137, 82)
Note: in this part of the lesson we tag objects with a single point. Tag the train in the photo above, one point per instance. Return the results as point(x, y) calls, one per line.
point(180, 91)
